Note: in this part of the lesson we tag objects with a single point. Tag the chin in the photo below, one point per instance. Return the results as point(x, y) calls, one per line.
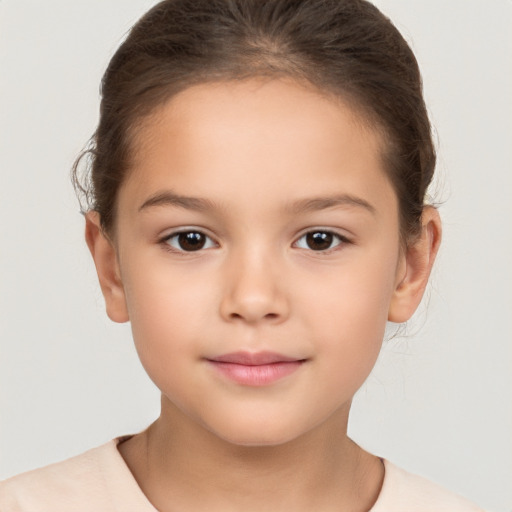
point(259, 433)
point(256, 439)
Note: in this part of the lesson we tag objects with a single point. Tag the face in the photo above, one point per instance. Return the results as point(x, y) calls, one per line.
point(258, 251)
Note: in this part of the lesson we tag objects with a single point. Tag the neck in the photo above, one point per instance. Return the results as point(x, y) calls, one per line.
point(181, 466)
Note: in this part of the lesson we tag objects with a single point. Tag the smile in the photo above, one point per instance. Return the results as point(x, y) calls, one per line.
point(255, 369)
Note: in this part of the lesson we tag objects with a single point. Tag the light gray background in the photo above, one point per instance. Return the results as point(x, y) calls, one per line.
point(439, 403)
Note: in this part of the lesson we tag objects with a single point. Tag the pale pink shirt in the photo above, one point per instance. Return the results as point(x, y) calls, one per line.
point(99, 481)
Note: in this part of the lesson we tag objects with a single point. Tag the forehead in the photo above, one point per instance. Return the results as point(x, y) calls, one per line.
point(265, 136)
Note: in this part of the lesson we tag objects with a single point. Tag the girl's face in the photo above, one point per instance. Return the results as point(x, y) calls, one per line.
point(258, 257)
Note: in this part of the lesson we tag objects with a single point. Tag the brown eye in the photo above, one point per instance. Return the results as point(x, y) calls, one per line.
point(320, 240)
point(189, 241)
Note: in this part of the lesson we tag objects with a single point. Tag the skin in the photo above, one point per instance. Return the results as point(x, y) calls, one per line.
point(272, 161)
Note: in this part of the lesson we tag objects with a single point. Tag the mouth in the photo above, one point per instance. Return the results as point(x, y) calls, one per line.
point(255, 369)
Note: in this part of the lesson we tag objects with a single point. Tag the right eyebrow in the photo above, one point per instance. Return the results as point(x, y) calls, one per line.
point(169, 198)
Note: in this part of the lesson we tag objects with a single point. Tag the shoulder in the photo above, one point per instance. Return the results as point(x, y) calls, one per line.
point(60, 486)
point(405, 492)
point(95, 480)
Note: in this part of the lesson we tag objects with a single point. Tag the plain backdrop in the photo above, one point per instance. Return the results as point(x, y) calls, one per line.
point(439, 403)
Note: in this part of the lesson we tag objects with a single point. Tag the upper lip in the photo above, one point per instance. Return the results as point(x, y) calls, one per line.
point(253, 358)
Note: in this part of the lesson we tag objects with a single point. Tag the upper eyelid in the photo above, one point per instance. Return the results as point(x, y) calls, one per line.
point(186, 229)
point(333, 231)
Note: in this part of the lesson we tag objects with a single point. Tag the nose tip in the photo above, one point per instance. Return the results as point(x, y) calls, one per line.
point(253, 295)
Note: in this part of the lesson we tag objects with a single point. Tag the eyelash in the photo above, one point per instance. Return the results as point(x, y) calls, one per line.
point(341, 240)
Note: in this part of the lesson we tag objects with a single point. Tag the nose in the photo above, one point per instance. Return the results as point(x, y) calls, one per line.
point(254, 290)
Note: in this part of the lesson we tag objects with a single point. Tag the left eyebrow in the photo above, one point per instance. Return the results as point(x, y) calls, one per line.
point(322, 203)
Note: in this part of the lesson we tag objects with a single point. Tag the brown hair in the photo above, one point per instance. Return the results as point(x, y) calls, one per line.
point(343, 47)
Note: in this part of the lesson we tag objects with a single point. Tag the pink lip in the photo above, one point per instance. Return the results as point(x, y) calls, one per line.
point(255, 369)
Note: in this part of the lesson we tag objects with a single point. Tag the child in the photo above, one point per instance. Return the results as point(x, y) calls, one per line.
point(256, 211)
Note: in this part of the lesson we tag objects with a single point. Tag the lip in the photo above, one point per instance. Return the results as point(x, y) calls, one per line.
point(255, 368)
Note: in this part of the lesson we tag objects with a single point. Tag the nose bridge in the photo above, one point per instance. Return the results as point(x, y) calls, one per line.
point(254, 290)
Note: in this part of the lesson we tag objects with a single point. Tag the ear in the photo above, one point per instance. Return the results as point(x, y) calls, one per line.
point(107, 266)
point(414, 269)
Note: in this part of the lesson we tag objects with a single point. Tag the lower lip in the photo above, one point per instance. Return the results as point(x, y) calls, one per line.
point(256, 375)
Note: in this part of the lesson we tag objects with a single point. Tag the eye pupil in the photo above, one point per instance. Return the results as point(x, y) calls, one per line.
point(191, 241)
point(319, 240)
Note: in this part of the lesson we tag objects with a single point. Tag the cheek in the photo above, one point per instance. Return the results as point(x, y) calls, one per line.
point(347, 315)
point(168, 311)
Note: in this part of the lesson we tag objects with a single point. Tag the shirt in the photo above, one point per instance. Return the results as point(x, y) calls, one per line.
point(100, 481)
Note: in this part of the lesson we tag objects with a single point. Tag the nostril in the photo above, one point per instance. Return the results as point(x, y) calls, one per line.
point(268, 316)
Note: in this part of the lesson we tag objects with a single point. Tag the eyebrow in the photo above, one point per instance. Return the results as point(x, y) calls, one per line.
point(169, 198)
point(322, 203)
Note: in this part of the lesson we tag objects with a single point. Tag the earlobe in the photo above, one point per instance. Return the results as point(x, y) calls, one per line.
point(107, 267)
point(415, 270)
